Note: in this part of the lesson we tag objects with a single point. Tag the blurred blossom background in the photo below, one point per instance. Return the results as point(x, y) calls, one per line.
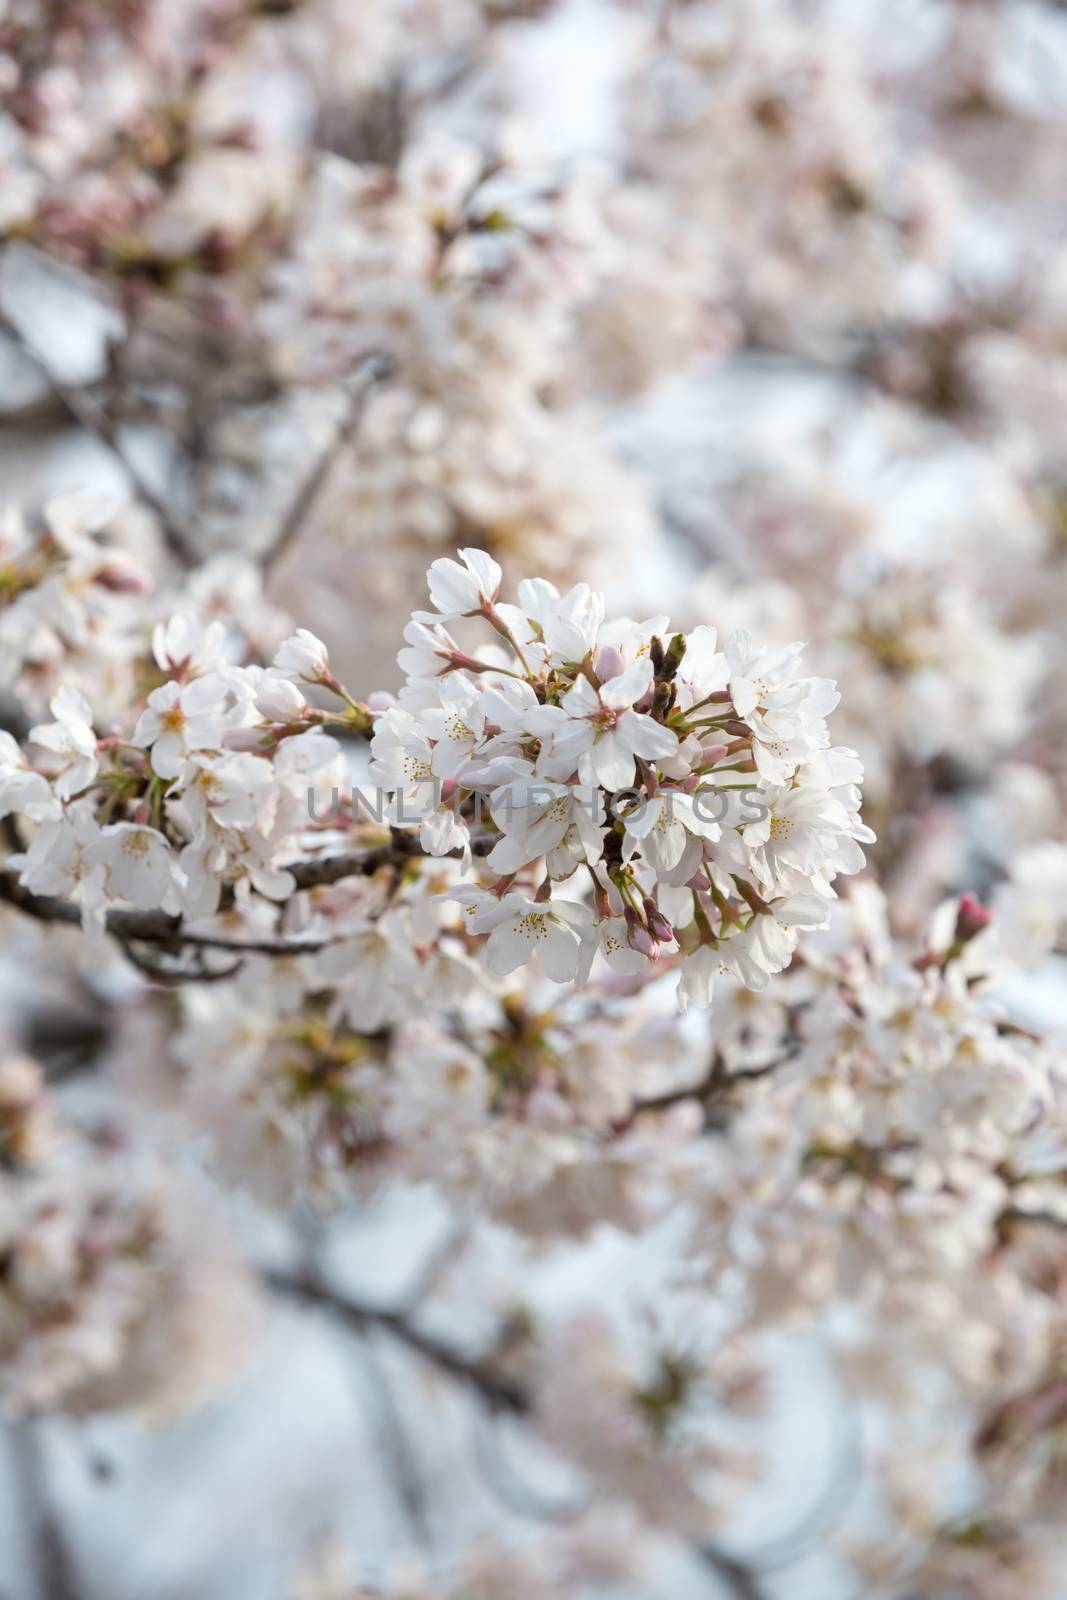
point(752, 312)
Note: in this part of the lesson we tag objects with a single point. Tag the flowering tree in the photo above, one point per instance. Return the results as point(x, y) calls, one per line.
point(681, 988)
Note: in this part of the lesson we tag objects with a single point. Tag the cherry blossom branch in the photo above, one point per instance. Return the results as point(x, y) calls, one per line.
point(496, 1388)
point(715, 1082)
point(373, 370)
point(160, 927)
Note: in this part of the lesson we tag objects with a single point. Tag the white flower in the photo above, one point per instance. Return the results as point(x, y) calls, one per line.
point(606, 734)
point(377, 974)
point(28, 793)
point(401, 753)
point(179, 719)
point(64, 858)
point(184, 646)
point(786, 713)
point(519, 926)
point(767, 944)
point(457, 726)
point(72, 738)
point(616, 948)
point(438, 173)
point(462, 591)
point(430, 651)
point(538, 818)
point(569, 624)
point(303, 657)
point(696, 981)
point(139, 864)
point(704, 670)
point(235, 790)
point(797, 836)
point(666, 831)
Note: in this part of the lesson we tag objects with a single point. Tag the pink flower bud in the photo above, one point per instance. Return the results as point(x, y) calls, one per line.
point(710, 753)
point(639, 938)
point(123, 580)
point(609, 662)
point(658, 925)
point(971, 917)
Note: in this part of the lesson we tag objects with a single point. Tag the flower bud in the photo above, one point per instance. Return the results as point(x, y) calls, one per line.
point(639, 938)
point(971, 917)
point(609, 662)
point(303, 656)
point(278, 699)
point(659, 926)
point(673, 659)
point(254, 739)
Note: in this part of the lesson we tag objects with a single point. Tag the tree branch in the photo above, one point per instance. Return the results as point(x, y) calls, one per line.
point(374, 369)
point(499, 1391)
point(91, 416)
point(160, 927)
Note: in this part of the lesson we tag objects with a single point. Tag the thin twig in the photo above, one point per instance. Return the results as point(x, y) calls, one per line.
point(497, 1389)
point(373, 370)
point(741, 1580)
point(90, 415)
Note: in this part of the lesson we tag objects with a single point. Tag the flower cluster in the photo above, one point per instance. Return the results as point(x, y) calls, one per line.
point(184, 808)
point(109, 1296)
point(696, 788)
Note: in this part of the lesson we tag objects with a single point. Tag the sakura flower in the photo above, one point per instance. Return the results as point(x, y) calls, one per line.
point(179, 719)
point(185, 646)
point(430, 651)
point(617, 949)
point(22, 790)
point(606, 735)
point(568, 624)
point(666, 829)
point(696, 981)
point(538, 818)
point(235, 790)
point(70, 737)
point(519, 926)
point(303, 657)
point(65, 858)
point(139, 865)
point(797, 836)
point(786, 713)
point(279, 699)
point(457, 727)
point(462, 590)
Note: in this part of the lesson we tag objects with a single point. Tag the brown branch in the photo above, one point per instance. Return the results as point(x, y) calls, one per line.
point(741, 1580)
point(374, 369)
point(715, 1084)
point(497, 1389)
point(93, 417)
